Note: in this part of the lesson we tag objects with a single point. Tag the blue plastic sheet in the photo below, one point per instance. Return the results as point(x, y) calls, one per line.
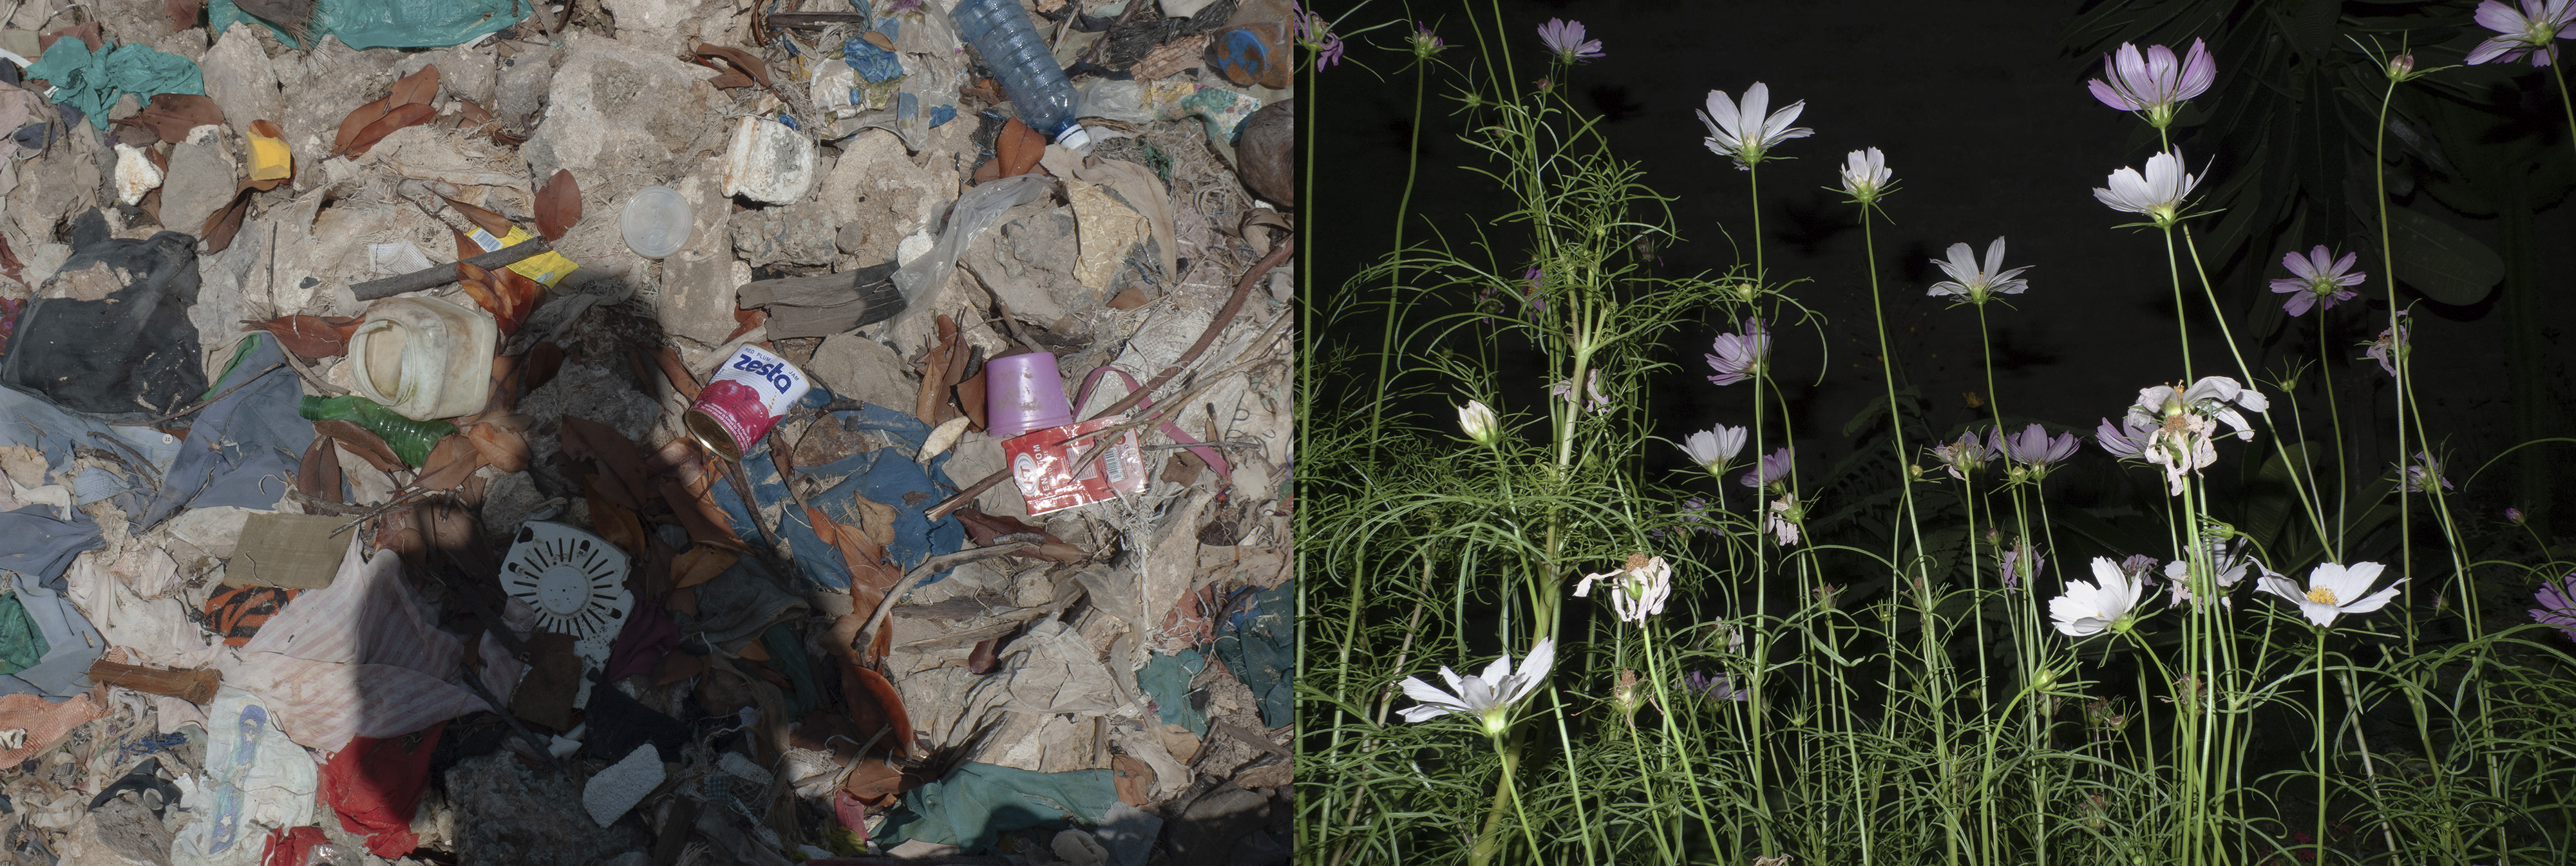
point(93, 80)
point(887, 476)
point(978, 803)
point(388, 23)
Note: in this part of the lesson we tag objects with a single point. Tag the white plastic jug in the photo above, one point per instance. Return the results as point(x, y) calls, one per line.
point(424, 358)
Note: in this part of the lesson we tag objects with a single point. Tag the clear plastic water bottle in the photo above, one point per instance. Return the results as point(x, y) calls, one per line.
point(1000, 31)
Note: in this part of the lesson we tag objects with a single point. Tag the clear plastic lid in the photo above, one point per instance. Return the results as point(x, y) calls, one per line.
point(656, 222)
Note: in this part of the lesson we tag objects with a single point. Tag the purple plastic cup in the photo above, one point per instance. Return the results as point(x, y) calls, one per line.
point(1024, 393)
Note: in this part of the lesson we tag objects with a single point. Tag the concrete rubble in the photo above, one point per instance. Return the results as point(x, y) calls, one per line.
point(250, 616)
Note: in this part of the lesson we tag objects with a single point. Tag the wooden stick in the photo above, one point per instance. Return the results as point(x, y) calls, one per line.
point(194, 685)
point(440, 275)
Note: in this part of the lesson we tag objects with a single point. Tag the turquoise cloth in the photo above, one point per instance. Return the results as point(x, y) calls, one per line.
point(22, 644)
point(385, 24)
point(1167, 680)
point(1259, 646)
point(978, 803)
point(92, 80)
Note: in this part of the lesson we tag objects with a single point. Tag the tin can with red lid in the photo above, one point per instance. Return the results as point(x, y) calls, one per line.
point(746, 397)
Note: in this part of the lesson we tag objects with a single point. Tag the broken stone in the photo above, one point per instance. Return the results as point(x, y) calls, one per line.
point(524, 79)
point(858, 368)
point(700, 282)
point(240, 80)
point(330, 80)
point(135, 174)
point(1108, 230)
point(797, 236)
point(120, 832)
point(201, 181)
point(768, 162)
point(469, 71)
point(613, 108)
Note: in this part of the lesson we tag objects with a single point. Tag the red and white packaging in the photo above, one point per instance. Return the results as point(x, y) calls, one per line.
point(1042, 464)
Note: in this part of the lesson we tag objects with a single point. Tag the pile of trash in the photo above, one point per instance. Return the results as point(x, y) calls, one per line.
point(645, 431)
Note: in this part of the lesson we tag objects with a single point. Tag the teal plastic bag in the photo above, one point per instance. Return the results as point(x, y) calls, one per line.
point(1166, 679)
point(1259, 646)
point(388, 23)
point(978, 803)
point(92, 80)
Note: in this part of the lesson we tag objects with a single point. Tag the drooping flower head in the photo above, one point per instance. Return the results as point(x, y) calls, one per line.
point(2513, 515)
point(1782, 518)
point(1740, 356)
point(1591, 387)
point(1637, 590)
point(2105, 603)
point(2557, 601)
point(1865, 176)
point(1963, 458)
point(1478, 422)
point(1424, 42)
point(2392, 345)
point(1489, 697)
point(2231, 561)
point(2531, 33)
point(1970, 283)
point(1716, 688)
point(1741, 131)
point(1774, 471)
point(1565, 40)
point(2424, 474)
point(2319, 280)
point(2185, 423)
point(2154, 84)
point(2158, 194)
point(1315, 33)
point(1715, 447)
point(2333, 590)
point(2031, 451)
point(2021, 562)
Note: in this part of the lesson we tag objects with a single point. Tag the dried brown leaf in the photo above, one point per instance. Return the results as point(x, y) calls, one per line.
point(1018, 148)
point(874, 706)
point(743, 60)
point(616, 523)
point(309, 336)
point(544, 361)
point(558, 205)
point(450, 462)
point(318, 476)
point(676, 372)
point(982, 661)
point(357, 122)
point(418, 88)
point(400, 117)
point(487, 220)
point(620, 462)
point(225, 222)
point(501, 445)
point(699, 564)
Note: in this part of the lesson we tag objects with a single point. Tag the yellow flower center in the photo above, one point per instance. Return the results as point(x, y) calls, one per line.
point(2322, 595)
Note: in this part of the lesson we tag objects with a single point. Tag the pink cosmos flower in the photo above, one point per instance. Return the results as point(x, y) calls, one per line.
point(1740, 356)
point(2532, 32)
point(2557, 605)
point(1973, 284)
point(1774, 470)
point(1739, 129)
point(1565, 38)
point(2154, 83)
point(2319, 282)
point(2392, 343)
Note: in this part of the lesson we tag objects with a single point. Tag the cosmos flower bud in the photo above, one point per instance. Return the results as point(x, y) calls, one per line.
point(1478, 422)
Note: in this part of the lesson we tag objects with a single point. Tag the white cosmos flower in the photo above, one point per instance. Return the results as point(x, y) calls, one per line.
point(2158, 194)
point(1973, 284)
point(2334, 590)
point(2208, 397)
point(1740, 130)
point(1490, 697)
point(2232, 562)
point(1636, 591)
point(1477, 421)
point(1865, 176)
point(1713, 448)
point(2088, 608)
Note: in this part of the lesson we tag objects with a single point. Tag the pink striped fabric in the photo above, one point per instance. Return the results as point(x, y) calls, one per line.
point(362, 657)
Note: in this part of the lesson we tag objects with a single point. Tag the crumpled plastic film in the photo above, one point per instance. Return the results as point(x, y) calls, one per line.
point(974, 211)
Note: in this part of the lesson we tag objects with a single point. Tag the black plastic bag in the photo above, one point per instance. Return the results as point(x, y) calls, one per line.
point(130, 358)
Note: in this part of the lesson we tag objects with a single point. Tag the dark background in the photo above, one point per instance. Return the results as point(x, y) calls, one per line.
point(1987, 124)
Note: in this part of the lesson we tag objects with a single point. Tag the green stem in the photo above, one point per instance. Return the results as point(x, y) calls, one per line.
point(1395, 281)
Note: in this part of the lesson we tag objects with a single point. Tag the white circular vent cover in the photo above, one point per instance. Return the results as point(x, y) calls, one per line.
point(575, 581)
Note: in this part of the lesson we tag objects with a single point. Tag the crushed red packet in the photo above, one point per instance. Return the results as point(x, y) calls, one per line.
point(1042, 464)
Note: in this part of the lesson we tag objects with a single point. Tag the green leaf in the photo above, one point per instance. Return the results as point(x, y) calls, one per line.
point(2440, 261)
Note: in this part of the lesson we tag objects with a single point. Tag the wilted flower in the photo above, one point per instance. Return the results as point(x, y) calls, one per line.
point(2128, 440)
point(1716, 688)
point(1591, 386)
point(1773, 471)
point(1426, 43)
point(1316, 34)
point(2088, 608)
point(2422, 476)
point(1973, 284)
point(1713, 448)
point(1865, 176)
point(1740, 130)
point(2032, 450)
point(2392, 344)
point(2532, 32)
point(1636, 591)
point(1782, 519)
point(2140, 567)
point(1565, 38)
point(1964, 457)
point(2185, 422)
point(1628, 697)
point(2021, 561)
point(1477, 420)
point(2333, 590)
point(1740, 356)
point(2318, 283)
point(2557, 605)
point(2229, 561)
point(1489, 697)
point(2158, 194)
point(2154, 83)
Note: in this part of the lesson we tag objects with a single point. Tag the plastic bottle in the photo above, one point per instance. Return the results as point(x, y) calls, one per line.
point(424, 358)
point(411, 440)
point(1000, 31)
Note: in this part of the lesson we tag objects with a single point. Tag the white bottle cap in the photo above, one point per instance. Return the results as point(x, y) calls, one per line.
point(1074, 138)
